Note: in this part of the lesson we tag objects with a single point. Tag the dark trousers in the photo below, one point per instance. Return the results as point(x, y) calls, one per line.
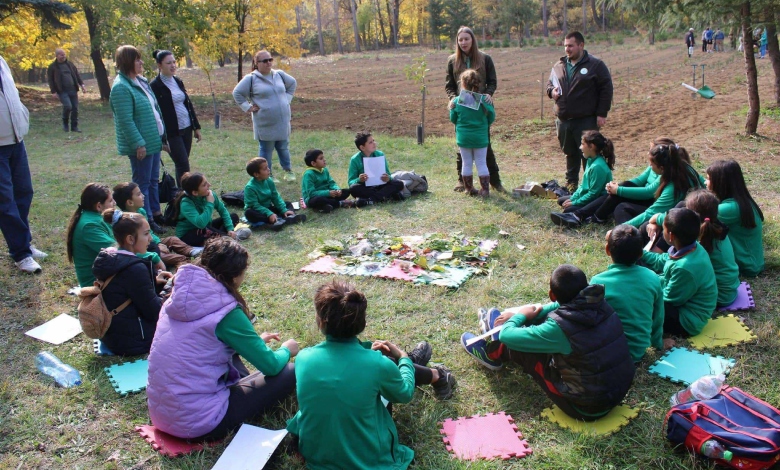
point(570, 138)
point(390, 190)
point(422, 374)
point(490, 161)
point(180, 145)
point(672, 324)
point(606, 206)
point(537, 365)
point(252, 396)
point(70, 107)
point(198, 236)
point(318, 202)
point(571, 208)
point(255, 216)
point(16, 194)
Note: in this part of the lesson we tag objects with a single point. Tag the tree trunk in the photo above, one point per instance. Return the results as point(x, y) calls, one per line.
point(338, 27)
point(381, 23)
point(396, 20)
point(545, 31)
point(319, 27)
point(596, 18)
point(353, 9)
point(754, 104)
point(584, 16)
point(651, 36)
point(773, 50)
point(565, 18)
point(604, 16)
point(101, 74)
point(393, 25)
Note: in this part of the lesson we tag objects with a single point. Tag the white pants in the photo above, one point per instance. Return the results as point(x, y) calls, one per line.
point(474, 156)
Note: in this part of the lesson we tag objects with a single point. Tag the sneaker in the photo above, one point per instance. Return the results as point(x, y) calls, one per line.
point(594, 220)
point(275, 180)
point(482, 320)
point(243, 234)
point(36, 253)
point(156, 228)
point(289, 176)
point(28, 265)
point(296, 219)
point(347, 203)
point(565, 219)
point(280, 223)
point(75, 129)
point(571, 187)
point(196, 251)
point(488, 319)
point(443, 387)
point(421, 354)
point(326, 209)
point(477, 350)
point(363, 202)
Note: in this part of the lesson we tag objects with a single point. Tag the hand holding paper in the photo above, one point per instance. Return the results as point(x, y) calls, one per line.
point(374, 168)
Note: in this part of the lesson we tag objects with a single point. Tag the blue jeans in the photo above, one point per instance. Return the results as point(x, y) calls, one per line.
point(267, 148)
point(16, 194)
point(762, 50)
point(146, 174)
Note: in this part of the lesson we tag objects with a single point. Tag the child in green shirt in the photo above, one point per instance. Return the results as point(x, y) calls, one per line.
point(318, 189)
point(171, 250)
point(690, 288)
point(342, 422)
point(87, 232)
point(262, 202)
point(357, 176)
point(193, 208)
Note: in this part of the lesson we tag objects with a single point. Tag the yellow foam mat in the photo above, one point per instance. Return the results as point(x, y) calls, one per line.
point(722, 331)
point(611, 423)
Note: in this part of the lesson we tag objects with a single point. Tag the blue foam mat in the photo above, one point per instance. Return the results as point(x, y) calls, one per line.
point(129, 377)
point(684, 366)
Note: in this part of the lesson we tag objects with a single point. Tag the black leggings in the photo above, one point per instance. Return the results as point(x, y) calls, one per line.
point(672, 325)
point(608, 205)
point(181, 144)
point(318, 202)
point(255, 216)
point(390, 190)
point(198, 236)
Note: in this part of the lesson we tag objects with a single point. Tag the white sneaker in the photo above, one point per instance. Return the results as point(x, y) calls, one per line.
point(37, 254)
point(28, 265)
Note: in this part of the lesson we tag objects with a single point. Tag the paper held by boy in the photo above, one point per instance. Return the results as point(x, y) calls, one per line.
point(493, 331)
point(374, 168)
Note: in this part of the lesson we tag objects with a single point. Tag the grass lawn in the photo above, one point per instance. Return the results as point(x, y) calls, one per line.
point(91, 426)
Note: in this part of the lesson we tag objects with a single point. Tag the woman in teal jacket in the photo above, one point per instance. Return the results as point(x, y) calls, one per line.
point(140, 132)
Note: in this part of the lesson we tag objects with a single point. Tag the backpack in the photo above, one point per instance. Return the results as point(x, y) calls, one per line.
point(166, 188)
point(740, 422)
point(235, 198)
point(94, 316)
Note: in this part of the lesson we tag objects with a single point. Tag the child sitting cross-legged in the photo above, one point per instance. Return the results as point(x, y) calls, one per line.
point(262, 202)
point(690, 288)
point(577, 352)
point(171, 250)
point(342, 422)
point(318, 189)
point(193, 209)
point(357, 177)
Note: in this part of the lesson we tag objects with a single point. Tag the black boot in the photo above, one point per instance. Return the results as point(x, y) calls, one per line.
point(74, 126)
point(65, 126)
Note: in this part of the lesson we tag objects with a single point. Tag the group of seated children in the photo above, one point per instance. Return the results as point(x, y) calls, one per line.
point(199, 389)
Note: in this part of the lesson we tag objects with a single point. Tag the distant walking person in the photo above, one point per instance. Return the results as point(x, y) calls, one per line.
point(583, 97)
point(16, 191)
point(719, 37)
point(706, 40)
point(468, 56)
point(690, 42)
point(64, 82)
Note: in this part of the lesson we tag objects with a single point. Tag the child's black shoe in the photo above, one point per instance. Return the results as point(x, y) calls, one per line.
point(421, 353)
point(298, 218)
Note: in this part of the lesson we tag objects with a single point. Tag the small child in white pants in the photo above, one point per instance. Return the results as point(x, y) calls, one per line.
point(472, 134)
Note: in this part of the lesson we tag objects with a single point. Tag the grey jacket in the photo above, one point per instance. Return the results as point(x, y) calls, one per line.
point(273, 95)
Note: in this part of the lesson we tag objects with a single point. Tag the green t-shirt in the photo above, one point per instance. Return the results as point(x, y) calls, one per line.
point(748, 243)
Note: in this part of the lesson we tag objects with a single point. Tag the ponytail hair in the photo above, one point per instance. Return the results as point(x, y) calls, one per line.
point(675, 171)
point(705, 203)
point(123, 224)
point(728, 182)
point(603, 146)
point(680, 149)
point(341, 309)
point(225, 259)
point(92, 195)
point(190, 182)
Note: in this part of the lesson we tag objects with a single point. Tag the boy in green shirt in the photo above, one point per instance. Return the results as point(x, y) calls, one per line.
point(357, 177)
point(318, 189)
point(577, 352)
point(262, 203)
point(687, 277)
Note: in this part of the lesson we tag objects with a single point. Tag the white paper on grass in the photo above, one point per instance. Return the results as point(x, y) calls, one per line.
point(250, 449)
point(469, 99)
point(57, 330)
point(374, 167)
point(554, 79)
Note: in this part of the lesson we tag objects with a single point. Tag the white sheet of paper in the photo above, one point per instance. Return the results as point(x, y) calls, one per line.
point(57, 330)
point(250, 448)
point(374, 168)
point(484, 335)
point(554, 80)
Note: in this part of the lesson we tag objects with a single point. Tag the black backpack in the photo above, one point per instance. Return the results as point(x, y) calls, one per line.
point(234, 198)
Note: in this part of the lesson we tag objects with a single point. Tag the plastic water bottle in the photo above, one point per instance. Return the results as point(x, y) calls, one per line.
point(703, 388)
point(714, 450)
point(65, 375)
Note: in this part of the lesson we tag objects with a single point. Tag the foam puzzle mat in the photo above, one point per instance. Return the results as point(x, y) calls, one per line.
point(684, 366)
point(129, 377)
point(722, 331)
point(616, 419)
point(169, 446)
point(484, 437)
point(433, 259)
point(744, 300)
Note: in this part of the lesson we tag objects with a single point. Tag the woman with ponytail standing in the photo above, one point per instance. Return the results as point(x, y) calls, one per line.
point(198, 388)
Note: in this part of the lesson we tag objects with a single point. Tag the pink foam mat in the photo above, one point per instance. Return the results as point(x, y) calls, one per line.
point(394, 270)
point(484, 437)
point(169, 446)
point(322, 265)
